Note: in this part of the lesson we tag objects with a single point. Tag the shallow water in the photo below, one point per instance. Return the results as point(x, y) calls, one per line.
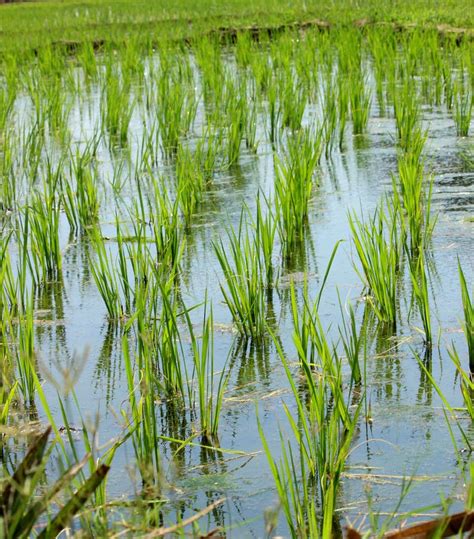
point(407, 435)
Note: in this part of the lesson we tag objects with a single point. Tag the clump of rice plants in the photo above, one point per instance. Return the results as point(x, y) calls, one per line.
point(420, 290)
point(190, 183)
point(378, 246)
point(116, 107)
point(210, 398)
point(413, 192)
point(105, 276)
point(360, 100)
point(294, 181)
point(143, 418)
point(80, 198)
point(245, 280)
point(265, 225)
point(468, 310)
point(175, 104)
point(40, 225)
point(463, 104)
point(308, 474)
point(407, 114)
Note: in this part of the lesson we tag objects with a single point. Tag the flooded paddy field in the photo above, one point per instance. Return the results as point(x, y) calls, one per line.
point(240, 275)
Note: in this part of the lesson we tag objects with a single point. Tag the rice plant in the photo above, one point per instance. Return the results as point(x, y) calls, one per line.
point(449, 411)
point(322, 429)
point(176, 105)
point(378, 247)
point(245, 280)
point(190, 183)
point(166, 343)
point(353, 342)
point(294, 181)
point(25, 353)
point(265, 231)
point(463, 104)
point(468, 310)
point(360, 101)
point(407, 114)
point(420, 291)
point(142, 417)
point(466, 382)
point(80, 198)
point(210, 397)
point(40, 224)
point(292, 103)
point(116, 107)
point(413, 192)
point(105, 276)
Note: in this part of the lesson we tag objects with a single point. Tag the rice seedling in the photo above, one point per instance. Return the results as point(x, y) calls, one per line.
point(207, 152)
point(420, 291)
point(8, 185)
point(265, 230)
point(243, 49)
point(116, 108)
point(292, 100)
point(250, 127)
point(343, 107)
point(190, 183)
point(142, 419)
point(463, 104)
point(25, 354)
point(274, 114)
point(7, 100)
point(261, 70)
point(413, 192)
point(81, 204)
point(352, 342)
point(166, 342)
point(96, 523)
point(209, 398)
point(40, 225)
point(208, 57)
point(466, 382)
point(57, 111)
point(7, 396)
point(130, 254)
point(87, 60)
point(360, 101)
point(166, 230)
point(378, 247)
point(468, 323)
point(245, 280)
point(176, 105)
point(307, 328)
point(382, 48)
point(105, 276)
point(322, 430)
point(330, 117)
point(236, 111)
point(407, 115)
point(294, 181)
